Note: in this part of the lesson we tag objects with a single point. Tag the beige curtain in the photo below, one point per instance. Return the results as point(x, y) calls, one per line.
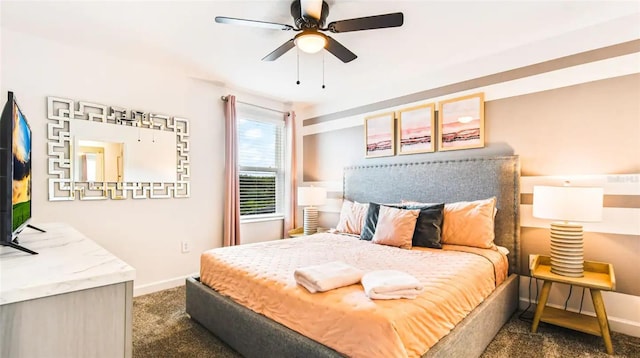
point(291, 184)
point(231, 226)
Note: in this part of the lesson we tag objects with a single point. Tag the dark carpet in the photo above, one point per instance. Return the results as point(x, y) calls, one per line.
point(161, 328)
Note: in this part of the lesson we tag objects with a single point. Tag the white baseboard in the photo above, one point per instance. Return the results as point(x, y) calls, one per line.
point(160, 285)
point(623, 311)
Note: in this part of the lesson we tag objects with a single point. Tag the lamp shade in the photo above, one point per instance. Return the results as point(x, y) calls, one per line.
point(311, 195)
point(568, 203)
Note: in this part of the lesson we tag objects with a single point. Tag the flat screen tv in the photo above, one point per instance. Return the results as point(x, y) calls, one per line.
point(15, 174)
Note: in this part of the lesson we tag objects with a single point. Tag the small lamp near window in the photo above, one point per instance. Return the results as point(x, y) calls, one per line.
point(310, 197)
point(568, 204)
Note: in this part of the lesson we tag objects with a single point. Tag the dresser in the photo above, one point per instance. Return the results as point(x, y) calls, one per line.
point(73, 299)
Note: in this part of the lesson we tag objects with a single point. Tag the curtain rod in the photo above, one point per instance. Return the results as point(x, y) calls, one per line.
point(225, 99)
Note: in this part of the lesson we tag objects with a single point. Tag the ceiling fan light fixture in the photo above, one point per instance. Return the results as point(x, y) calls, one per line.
point(309, 17)
point(311, 42)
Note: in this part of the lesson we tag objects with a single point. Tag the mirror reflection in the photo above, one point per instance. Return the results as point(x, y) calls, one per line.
point(115, 153)
point(98, 161)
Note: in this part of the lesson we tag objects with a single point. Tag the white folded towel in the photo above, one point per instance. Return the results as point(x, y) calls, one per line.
point(391, 284)
point(327, 276)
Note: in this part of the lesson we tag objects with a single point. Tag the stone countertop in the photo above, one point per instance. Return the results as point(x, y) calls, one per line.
point(67, 261)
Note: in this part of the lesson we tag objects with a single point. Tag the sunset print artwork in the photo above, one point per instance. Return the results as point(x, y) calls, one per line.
point(461, 122)
point(415, 129)
point(379, 136)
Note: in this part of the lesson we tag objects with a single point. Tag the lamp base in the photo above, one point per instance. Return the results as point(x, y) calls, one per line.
point(567, 251)
point(310, 220)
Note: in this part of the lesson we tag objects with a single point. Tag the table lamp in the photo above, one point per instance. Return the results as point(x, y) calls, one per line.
point(570, 205)
point(310, 196)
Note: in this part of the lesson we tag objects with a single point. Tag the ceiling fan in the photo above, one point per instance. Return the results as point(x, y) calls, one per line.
point(309, 17)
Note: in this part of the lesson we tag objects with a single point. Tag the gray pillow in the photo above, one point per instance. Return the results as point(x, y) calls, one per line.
point(428, 231)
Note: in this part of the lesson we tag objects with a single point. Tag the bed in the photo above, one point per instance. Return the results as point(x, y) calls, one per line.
point(253, 334)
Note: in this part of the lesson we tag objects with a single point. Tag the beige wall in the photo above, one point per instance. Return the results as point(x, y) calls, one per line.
point(147, 233)
point(589, 128)
point(325, 154)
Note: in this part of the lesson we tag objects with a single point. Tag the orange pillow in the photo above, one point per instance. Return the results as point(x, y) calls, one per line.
point(352, 217)
point(469, 223)
point(395, 227)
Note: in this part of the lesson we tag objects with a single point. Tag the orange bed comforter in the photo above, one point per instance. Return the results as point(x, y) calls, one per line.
point(260, 277)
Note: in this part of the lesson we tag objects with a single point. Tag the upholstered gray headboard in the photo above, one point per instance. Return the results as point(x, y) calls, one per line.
point(447, 181)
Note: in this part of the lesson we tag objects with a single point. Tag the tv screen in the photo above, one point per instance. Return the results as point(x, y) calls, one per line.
point(15, 174)
point(21, 150)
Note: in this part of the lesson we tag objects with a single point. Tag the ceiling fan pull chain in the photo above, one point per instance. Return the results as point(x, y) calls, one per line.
point(322, 69)
point(298, 64)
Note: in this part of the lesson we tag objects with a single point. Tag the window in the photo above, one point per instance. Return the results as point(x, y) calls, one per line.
point(260, 161)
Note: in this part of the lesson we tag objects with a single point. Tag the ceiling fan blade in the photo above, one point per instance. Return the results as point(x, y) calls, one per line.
point(254, 23)
point(367, 23)
point(280, 51)
point(311, 8)
point(339, 51)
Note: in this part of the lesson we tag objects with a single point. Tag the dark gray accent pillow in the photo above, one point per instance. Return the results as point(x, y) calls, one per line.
point(428, 231)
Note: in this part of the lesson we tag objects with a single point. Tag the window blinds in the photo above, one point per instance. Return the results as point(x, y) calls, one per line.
point(260, 161)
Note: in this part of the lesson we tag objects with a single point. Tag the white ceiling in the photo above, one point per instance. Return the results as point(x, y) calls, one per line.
point(437, 36)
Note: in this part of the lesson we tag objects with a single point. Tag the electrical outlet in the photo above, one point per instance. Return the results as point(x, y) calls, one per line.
point(531, 258)
point(184, 247)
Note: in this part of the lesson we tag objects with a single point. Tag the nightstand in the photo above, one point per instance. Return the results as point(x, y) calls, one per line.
point(297, 232)
point(598, 276)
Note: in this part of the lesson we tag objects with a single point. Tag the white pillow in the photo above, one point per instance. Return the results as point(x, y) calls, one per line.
point(352, 217)
point(395, 227)
point(469, 223)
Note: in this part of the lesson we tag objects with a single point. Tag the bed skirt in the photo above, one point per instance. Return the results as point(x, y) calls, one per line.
point(254, 335)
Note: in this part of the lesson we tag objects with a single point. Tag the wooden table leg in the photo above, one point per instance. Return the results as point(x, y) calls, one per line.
point(544, 296)
point(601, 313)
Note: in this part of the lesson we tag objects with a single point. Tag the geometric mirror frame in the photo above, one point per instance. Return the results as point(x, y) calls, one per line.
point(61, 113)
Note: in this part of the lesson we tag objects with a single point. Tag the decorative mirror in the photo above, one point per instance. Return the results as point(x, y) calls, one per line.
point(100, 152)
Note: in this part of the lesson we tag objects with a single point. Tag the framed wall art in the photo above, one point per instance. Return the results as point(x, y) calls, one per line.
point(416, 127)
point(379, 135)
point(461, 123)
